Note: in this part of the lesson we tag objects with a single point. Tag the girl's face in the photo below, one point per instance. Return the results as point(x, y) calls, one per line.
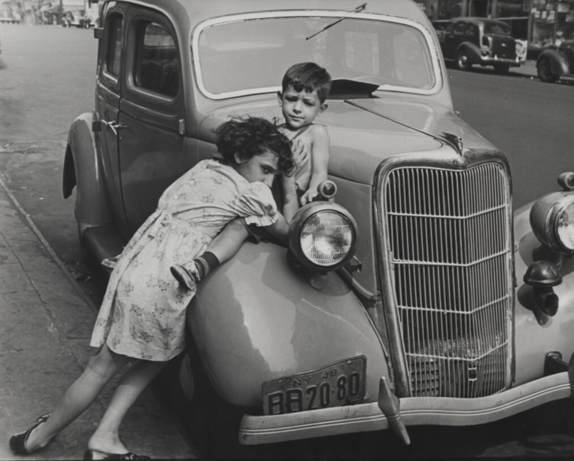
point(261, 167)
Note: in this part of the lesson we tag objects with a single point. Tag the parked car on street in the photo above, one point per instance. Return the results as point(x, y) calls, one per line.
point(486, 42)
point(7, 15)
point(76, 20)
point(421, 297)
point(556, 62)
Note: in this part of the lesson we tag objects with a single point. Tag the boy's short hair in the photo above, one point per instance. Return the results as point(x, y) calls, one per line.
point(308, 76)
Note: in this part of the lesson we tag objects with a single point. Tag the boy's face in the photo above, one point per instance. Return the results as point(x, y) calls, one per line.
point(300, 108)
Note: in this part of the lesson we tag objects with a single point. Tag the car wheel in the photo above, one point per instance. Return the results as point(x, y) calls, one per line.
point(462, 60)
point(212, 422)
point(501, 68)
point(545, 71)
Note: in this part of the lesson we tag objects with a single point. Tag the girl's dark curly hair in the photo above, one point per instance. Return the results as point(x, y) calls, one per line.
point(251, 136)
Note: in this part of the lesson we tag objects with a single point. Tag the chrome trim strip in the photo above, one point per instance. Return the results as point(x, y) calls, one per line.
point(435, 59)
point(414, 411)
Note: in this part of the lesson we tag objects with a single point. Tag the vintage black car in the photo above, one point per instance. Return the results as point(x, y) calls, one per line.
point(556, 62)
point(486, 42)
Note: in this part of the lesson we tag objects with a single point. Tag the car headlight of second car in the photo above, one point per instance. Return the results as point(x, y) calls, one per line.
point(323, 236)
point(552, 221)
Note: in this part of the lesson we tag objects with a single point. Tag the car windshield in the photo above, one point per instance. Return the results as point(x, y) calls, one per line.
point(251, 55)
point(497, 29)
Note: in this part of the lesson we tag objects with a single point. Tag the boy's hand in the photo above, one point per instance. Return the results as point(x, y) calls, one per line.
point(309, 196)
point(300, 153)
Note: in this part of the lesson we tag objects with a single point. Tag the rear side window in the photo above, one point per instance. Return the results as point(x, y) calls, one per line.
point(114, 51)
point(471, 30)
point(157, 61)
point(460, 28)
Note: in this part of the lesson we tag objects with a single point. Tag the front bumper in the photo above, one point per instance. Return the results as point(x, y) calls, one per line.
point(413, 411)
point(490, 61)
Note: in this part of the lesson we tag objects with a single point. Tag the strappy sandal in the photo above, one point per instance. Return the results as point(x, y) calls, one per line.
point(18, 441)
point(97, 454)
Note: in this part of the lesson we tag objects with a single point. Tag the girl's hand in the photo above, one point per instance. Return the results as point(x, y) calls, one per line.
point(300, 153)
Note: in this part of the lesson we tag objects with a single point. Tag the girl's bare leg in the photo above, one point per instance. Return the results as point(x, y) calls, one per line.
point(133, 382)
point(224, 246)
point(228, 241)
point(79, 396)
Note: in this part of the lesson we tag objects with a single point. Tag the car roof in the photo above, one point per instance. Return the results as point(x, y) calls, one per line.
point(197, 11)
point(478, 20)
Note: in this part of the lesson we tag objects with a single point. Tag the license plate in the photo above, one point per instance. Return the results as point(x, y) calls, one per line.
point(341, 383)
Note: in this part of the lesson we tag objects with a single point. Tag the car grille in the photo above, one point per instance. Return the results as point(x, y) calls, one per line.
point(504, 49)
point(450, 256)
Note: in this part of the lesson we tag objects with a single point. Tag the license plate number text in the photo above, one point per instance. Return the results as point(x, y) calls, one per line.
point(341, 383)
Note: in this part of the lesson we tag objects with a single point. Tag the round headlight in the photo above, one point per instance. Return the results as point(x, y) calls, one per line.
point(552, 221)
point(565, 226)
point(323, 236)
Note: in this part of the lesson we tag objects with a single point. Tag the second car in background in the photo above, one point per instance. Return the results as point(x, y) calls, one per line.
point(487, 42)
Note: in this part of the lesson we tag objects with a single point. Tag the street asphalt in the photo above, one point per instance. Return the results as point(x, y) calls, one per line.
point(46, 323)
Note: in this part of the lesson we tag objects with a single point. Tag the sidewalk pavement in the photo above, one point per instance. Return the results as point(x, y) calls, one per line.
point(45, 326)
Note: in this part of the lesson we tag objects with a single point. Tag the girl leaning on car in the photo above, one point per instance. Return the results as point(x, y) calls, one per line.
point(142, 317)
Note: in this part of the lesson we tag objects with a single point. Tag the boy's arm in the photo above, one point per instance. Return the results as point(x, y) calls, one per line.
point(320, 158)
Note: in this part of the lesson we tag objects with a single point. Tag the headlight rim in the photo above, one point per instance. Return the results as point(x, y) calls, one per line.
point(298, 222)
point(544, 216)
point(557, 211)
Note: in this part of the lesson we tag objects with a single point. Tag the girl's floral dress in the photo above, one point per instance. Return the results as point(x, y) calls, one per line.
point(143, 311)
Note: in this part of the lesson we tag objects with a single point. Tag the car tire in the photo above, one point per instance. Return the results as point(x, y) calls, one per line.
point(502, 69)
point(212, 421)
point(462, 60)
point(544, 68)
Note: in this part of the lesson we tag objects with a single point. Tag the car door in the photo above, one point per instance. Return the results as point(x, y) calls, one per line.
point(151, 141)
point(448, 42)
point(108, 95)
point(472, 34)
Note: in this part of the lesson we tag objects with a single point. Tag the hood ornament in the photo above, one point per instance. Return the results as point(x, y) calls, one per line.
point(453, 141)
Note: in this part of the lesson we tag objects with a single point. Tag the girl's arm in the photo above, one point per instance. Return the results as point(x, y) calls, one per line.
point(320, 158)
point(280, 228)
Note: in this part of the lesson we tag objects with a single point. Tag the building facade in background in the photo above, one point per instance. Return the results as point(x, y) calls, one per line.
point(48, 11)
point(541, 22)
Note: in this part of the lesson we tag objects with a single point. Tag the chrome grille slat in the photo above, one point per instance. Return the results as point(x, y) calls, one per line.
point(449, 252)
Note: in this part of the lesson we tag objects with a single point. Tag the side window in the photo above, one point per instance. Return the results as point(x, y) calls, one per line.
point(114, 51)
point(459, 28)
point(471, 30)
point(157, 62)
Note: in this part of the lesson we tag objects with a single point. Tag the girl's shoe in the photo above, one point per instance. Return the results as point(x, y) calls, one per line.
point(18, 441)
point(186, 274)
point(96, 454)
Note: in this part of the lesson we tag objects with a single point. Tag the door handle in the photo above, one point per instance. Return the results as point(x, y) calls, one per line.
point(114, 126)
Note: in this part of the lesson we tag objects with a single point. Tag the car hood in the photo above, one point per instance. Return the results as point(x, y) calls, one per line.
point(364, 132)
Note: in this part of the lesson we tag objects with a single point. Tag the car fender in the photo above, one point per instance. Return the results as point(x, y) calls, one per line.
point(473, 51)
point(256, 319)
point(83, 170)
point(558, 61)
point(535, 333)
